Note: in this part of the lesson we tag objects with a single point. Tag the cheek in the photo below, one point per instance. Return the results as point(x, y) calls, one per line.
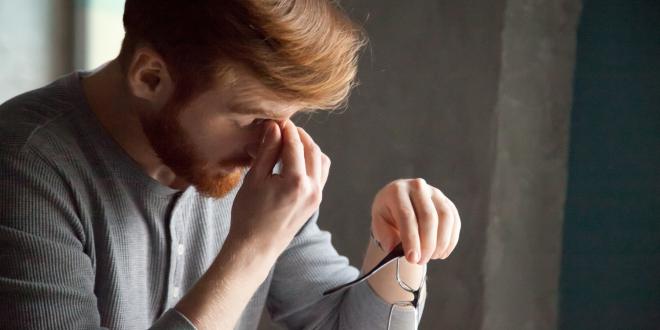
point(218, 138)
point(211, 135)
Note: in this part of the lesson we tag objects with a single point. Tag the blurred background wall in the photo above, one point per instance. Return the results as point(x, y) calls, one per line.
point(36, 44)
point(476, 97)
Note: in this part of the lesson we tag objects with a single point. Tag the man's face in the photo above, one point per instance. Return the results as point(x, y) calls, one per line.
point(208, 140)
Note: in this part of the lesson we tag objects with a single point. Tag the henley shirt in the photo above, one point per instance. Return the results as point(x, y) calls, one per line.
point(89, 241)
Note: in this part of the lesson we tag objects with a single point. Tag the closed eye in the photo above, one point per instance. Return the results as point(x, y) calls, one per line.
point(250, 124)
point(257, 122)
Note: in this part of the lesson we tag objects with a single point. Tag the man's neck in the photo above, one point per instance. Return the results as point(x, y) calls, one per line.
point(110, 100)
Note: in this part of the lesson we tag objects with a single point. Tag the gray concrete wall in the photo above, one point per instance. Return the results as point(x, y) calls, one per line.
point(474, 96)
point(524, 234)
point(425, 108)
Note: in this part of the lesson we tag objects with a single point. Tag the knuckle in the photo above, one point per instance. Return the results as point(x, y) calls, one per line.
point(398, 186)
point(444, 242)
point(406, 213)
point(297, 183)
point(448, 201)
point(426, 217)
point(316, 195)
point(326, 160)
point(444, 214)
point(315, 148)
point(443, 197)
point(418, 183)
point(297, 144)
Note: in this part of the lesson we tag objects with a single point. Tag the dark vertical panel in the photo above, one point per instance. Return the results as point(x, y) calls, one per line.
point(611, 262)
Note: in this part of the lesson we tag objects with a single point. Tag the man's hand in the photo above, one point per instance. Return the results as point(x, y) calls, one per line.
point(418, 215)
point(270, 209)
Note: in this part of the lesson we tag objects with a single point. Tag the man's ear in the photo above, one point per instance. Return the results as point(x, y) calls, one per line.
point(148, 77)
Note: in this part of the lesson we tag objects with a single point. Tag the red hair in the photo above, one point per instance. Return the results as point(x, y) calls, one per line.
point(304, 51)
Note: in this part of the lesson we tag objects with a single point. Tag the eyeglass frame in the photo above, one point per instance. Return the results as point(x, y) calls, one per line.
point(396, 254)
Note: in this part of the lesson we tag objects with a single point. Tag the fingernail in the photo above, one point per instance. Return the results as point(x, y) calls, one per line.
point(412, 256)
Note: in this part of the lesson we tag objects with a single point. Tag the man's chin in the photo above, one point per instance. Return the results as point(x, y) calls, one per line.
point(228, 171)
point(218, 186)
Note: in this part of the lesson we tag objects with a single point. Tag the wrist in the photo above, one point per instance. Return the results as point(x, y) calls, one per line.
point(219, 296)
point(247, 255)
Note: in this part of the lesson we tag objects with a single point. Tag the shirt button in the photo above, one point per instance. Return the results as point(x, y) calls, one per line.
point(179, 249)
point(175, 292)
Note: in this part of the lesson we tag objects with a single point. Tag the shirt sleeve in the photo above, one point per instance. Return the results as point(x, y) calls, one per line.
point(310, 266)
point(46, 275)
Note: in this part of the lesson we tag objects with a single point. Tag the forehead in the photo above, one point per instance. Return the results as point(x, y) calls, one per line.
point(244, 94)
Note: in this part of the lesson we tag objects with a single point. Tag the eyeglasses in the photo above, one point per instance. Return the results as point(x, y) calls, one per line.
point(396, 254)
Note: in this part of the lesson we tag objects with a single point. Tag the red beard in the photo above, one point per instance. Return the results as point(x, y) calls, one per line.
point(173, 147)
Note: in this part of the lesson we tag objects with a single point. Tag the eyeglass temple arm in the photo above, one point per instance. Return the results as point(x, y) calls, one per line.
point(395, 253)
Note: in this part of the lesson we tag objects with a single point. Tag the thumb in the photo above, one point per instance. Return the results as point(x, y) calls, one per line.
point(268, 152)
point(386, 235)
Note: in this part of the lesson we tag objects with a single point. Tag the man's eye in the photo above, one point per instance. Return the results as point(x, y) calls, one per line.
point(257, 122)
point(245, 124)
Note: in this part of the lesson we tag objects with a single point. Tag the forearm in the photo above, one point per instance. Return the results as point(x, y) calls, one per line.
point(384, 281)
point(218, 298)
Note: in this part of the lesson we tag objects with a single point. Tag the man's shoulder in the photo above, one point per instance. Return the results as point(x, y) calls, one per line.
point(31, 115)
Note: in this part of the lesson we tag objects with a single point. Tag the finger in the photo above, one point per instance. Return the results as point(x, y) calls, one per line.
point(445, 221)
point(312, 155)
point(293, 154)
point(405, 216)
point(455, 233)
point(427, 218)
point(268, 153)
point(325, 160)
point(384, 232)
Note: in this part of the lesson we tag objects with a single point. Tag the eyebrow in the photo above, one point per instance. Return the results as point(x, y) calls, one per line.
point(246, 109)
point(252, 111)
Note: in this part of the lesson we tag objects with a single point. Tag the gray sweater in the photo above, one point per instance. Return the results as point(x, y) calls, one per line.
point(88, 240)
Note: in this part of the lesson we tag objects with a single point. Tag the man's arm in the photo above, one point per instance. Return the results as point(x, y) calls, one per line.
point(309, 267)
point(219, 297)
point(46, 278)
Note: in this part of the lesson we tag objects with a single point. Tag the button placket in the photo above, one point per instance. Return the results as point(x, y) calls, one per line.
point(174, 258)
point(176, 245)
point(176, 291)
point(178, 249)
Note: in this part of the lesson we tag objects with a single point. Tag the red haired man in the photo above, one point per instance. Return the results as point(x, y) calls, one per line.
point(170, 189)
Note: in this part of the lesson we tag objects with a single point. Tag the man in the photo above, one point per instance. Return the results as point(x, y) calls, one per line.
point(143, 194)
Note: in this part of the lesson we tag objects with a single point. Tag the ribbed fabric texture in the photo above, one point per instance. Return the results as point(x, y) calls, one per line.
point(89, 241)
